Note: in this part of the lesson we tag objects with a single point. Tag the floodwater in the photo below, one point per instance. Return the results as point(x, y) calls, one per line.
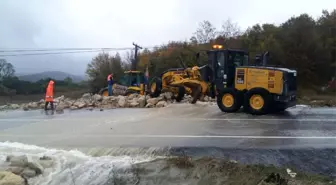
point(88, 145)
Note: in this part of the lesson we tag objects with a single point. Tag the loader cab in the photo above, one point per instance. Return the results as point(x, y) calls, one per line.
point(132, 79)
point(223, 63)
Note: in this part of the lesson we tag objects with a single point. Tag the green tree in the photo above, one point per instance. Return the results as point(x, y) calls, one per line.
point(6, 69)
point(101, 66)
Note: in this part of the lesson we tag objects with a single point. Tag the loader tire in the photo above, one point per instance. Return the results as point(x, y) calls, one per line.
point(196, 94)
point(155, 88)
point(257, 101)
point(180, 94)
point(229, 100)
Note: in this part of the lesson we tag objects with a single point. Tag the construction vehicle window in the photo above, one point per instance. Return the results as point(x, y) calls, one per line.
point(237, 59)
point(221, 59)
point(221, 63)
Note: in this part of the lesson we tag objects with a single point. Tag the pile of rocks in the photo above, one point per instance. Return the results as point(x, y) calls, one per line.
point(89, 102)
point(17, 170)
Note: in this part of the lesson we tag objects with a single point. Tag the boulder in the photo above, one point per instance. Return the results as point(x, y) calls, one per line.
point(149, 105)
point(134, 104)
point(161, 104)
point(142, 102)
point(122, 101)
point(86, 96)
point(33, 105)
point(168, 95)
point(21, 161)
point(73, 107)
point(132, 96)
point(15, 169)
point(13, 106)
point(79, 104)
point(90, 108)
point(59, 99)
point(97, 97)
point(36, 167)
point(29, 173)
point(206, 98)
point(9, 178)
point(46, 163)
point(3, 107)
point(60, 107)
point(153, 101)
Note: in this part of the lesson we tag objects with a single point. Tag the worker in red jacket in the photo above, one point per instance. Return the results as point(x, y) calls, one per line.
point(49, 97)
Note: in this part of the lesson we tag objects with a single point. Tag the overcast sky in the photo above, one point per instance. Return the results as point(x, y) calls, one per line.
point(118, 23)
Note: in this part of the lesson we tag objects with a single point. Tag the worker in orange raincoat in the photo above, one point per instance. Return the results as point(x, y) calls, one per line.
point(49, 98)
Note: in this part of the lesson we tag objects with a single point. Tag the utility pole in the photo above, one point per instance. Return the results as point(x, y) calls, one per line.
point(135, 60)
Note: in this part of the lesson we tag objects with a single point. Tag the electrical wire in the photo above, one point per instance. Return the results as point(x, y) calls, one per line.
point(59, 49)
point(50, 53)
point(62, 51)
point(10, 50)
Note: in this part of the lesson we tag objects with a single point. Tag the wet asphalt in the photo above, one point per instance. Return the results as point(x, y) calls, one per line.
point(302, 138)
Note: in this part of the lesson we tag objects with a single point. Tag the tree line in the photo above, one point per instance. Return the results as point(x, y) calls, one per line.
point(302, 43)
point(12, 85)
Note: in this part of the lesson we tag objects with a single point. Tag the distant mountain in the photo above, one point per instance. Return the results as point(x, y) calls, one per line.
point(57, 75)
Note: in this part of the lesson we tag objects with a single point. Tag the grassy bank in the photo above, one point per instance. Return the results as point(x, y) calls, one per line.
point(211, 171)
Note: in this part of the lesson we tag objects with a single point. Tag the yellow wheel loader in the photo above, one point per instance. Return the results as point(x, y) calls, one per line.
point(260, 89)
point(131, 82)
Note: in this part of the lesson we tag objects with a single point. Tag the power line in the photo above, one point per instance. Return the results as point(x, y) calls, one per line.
point(59, 49)
point(50, 53)
point(10, 50)
point(66, 51)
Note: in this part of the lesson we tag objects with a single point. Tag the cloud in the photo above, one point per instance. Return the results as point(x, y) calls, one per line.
point(118, 23)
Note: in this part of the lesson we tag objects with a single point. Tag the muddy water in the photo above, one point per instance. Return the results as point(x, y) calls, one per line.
point(81, 159)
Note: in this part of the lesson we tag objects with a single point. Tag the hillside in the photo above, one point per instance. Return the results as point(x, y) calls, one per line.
point(57, 75)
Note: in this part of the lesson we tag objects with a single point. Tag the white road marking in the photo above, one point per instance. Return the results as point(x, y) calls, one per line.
point(170, 136)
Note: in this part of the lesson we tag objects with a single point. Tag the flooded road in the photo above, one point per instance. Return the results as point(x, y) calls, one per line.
point(302, 137)
point(179, 125)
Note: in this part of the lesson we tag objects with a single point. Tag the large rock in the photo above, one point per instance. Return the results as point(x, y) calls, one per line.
point(134, 104)
point(97, 97)
point(161, 104)
point(132, 96)
point(33, 105)
point(79, 104)
point(29, 173)
point(13, 106)
point(36, 167)
point(3, 107)
point(167, 95)
point(122, 101)
point(86, 96)
point(73, 107)
point(21, 161)
point(60, 108)
point(149, 105)
point(46, 163)
point(153, 101)
point(9, 178)
point(59, 99)
point(141, 101)
point(15, 169)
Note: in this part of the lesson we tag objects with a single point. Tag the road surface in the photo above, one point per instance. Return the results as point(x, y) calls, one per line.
point(302, 137)
point(178, 125)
